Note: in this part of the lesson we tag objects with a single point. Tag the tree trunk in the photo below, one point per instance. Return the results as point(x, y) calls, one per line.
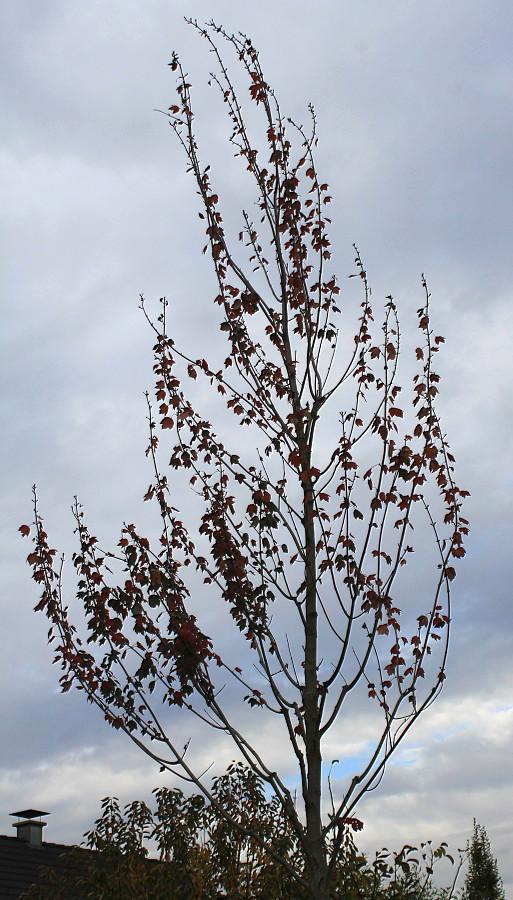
point(316, 848)
point(318, 872)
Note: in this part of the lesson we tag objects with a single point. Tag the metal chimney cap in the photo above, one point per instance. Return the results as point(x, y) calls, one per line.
point(30, 813)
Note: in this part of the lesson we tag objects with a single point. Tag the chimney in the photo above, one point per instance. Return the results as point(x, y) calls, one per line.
point(29, 829)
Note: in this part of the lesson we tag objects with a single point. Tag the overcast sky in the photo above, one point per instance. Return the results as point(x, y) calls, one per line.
point(414, 107)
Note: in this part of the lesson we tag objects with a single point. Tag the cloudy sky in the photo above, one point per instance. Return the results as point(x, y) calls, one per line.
point(414, 105)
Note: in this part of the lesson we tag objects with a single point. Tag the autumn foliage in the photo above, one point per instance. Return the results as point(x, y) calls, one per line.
point(202, 857)
point(308, 520)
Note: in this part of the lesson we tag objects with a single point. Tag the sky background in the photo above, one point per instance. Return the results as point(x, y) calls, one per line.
point(414, 107)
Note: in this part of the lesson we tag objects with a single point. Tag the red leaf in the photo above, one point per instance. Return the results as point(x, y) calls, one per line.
point(167, 422)
point(355, 824)
point(458, 551)
point(24, 529)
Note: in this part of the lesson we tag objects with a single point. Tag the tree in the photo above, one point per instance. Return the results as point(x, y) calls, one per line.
point(483, 881)
point(306, 528)
point(202, 857)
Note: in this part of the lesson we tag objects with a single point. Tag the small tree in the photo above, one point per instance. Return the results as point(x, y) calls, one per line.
point(483, 881)
point(306, 530)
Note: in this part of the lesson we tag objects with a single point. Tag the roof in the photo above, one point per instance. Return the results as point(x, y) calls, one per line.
point(20, 863)
point(29, 813)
